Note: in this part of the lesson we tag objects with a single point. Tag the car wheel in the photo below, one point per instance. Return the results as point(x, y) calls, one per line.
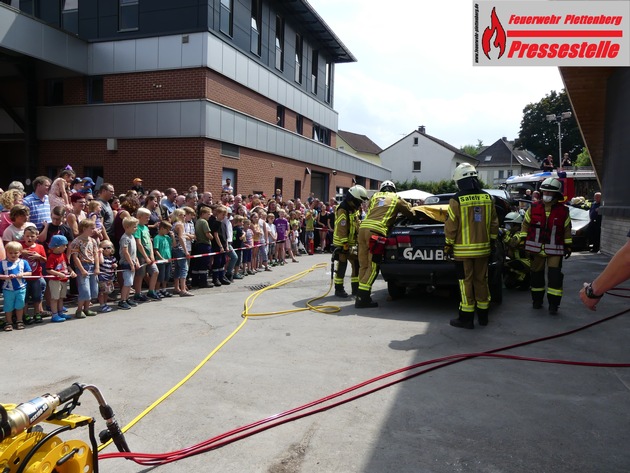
point(395, 291)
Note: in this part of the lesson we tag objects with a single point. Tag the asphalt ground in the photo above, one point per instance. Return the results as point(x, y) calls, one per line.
point(478, 415)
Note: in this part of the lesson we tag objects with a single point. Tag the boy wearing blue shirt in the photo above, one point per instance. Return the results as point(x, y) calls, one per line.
point(12, 272)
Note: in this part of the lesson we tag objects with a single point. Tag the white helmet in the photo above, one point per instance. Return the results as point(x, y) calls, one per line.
point(551, 184)
point(388, 185)
point(514, 217)
point(359, 193)
point(463, 171)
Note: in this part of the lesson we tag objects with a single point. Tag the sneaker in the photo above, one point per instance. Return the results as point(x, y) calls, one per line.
point(58, 318)
point(224, 281)
point(106, 309)
point(267, 269)
point(165, 293)
point(64, 309)
point(186, 294)
point(153, 295)
point(79, 314)
point(65, 316)
point(130, 302)
point(37, 318)
point(238, 276)
point(28, 320)
point(90, 313)
point(140, 297)
point(249, 271)
point(123, 305)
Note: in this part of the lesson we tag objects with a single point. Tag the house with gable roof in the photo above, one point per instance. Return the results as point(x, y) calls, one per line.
point(358, 145)
point(423, 157)
point(501, 160)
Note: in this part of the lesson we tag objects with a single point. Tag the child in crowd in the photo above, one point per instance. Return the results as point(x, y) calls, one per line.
point(219, 245)
point(128, 262)
point(309, 222)
point(271, 238)
point(294, 238)
point(144, 247)
point(19, 215)
point(13, 270)
point(58, 267)
point(108, 273)
point(238, 243)
point(162, 244)
point(85, 259)
point(94, 213)
point(181, 253)
point(263, 255)
point(35, 254)
point(257, 235)
point(249, 243)
point(283, 243)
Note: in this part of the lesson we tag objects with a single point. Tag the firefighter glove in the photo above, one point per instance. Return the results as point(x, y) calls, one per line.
point(567, 252)
point(448, 251)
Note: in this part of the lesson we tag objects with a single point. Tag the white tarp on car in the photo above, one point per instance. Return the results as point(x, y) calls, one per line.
point(414, 194)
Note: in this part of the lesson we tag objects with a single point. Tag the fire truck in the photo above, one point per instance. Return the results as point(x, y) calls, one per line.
point(579, 182)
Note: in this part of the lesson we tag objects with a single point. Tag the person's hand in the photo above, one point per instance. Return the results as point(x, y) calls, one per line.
point(97, 272)
point(448, 252)
point(73, 274)
point(567, 252)
point(587, 301)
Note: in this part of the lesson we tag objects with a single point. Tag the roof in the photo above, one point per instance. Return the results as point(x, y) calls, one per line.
point(360, 143)
point(502, 152)
point(442, 143)
point(307, 18)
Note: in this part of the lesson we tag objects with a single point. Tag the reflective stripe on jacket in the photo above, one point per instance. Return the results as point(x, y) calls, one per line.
point(547, 230)
point(383, 210)
point(346, 226)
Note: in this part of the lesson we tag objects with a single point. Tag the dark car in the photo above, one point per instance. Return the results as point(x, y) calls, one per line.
point(414, 256)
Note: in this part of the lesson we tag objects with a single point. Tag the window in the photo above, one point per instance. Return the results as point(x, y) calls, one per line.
point(314, 67)
point(415, 141)
point(417, 166)
point(501, 174)
point(95, 90)
point(256, 36)
point(225, 17)
point(128, 15)
point(93, 171)
point(230, 150)
point(510, 173)
point(280, 115)
point(328, 81)
point(297, 189)
point(70, 16)
point(277, 184)
point(299, 50)
point(279, 43)
point(488, 159)
point(54, 92)
point(299, 124)
point(321, 134)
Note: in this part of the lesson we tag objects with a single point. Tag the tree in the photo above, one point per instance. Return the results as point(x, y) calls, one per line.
point(541, 136)
point(473, 150)
point(583, 159)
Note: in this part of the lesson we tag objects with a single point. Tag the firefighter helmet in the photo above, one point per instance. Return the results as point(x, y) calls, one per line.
point(551, 184)
point(463, 171)
point(514, 217)
point(388, 186)
point(359, 193)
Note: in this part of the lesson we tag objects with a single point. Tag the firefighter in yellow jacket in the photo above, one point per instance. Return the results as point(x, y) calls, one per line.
point(546, 231)
point(384, 207)
point(345, 238)
point(471, 230)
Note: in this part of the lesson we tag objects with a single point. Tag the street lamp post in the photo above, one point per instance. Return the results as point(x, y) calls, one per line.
point(558, 118)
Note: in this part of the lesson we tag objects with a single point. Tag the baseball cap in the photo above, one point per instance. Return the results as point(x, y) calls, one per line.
point(57, 240)
point(137, 179)
point(88, 182)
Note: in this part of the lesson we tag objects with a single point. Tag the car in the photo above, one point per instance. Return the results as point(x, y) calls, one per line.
point(414, 254)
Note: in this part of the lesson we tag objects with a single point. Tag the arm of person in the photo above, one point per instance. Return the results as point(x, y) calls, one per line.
point(126, 257)
point(43, 235)
point(141, 250)
point(77, 264)
point(617, 271)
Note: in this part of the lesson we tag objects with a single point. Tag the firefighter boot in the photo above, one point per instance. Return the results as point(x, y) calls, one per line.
point(364, 301)
point(465, 320)
point(355, 288)
point(340, 291)
point(482, 316)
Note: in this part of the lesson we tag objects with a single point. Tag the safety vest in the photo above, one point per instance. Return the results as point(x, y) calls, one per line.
point(346, 220)
point(472, 222)
point(547, 230)
point(383, 210)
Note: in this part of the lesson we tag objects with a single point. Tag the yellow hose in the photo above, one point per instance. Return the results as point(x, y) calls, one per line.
point(324, 309)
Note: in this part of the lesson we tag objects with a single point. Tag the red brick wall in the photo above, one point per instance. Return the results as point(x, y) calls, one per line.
point(155, 85)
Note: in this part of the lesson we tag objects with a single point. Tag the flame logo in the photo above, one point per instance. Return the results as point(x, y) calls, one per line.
point(488, 33)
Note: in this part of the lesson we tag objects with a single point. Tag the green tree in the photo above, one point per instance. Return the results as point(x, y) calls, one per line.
point(473, 150)
point(583, 159)
point(541, 136)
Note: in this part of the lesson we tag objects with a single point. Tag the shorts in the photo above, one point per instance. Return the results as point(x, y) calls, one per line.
point(127, 275)
point(148, 269)
point(105, 287)
point(247, 255)
point(35, 289)
point(58, 289)
point(262, 254)
point(14, 300)
point(180, 265)
point(87, 285)
point(164, 270)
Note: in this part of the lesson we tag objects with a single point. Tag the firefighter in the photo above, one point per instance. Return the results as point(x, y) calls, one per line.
point(547, 233)
point(381, 215)
point(517, 268)
point(345, 238)
point(470, 231)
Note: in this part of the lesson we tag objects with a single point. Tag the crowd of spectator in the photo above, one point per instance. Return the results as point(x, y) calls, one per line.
point(69, 240)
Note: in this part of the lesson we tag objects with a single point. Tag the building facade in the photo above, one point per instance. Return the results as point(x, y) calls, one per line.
point(177, 93)
point(500, 160)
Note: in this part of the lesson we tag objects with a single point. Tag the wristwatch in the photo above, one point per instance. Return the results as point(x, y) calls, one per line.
point(588, 290)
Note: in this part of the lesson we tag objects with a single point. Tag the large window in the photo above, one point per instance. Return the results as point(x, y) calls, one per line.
point(70, 16)
point(54, 92)
point(228, 149)
point(314, 67)
point(280, 112)
point(299, 124)
point(299, 50)
point(128, 15)
point(321, 134)
point(227, 8)
point(328, 81)
point(256, 27)
point(95, 90)
point(279, 43)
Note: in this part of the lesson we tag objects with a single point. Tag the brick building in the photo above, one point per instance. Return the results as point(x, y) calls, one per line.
point(177, 93)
